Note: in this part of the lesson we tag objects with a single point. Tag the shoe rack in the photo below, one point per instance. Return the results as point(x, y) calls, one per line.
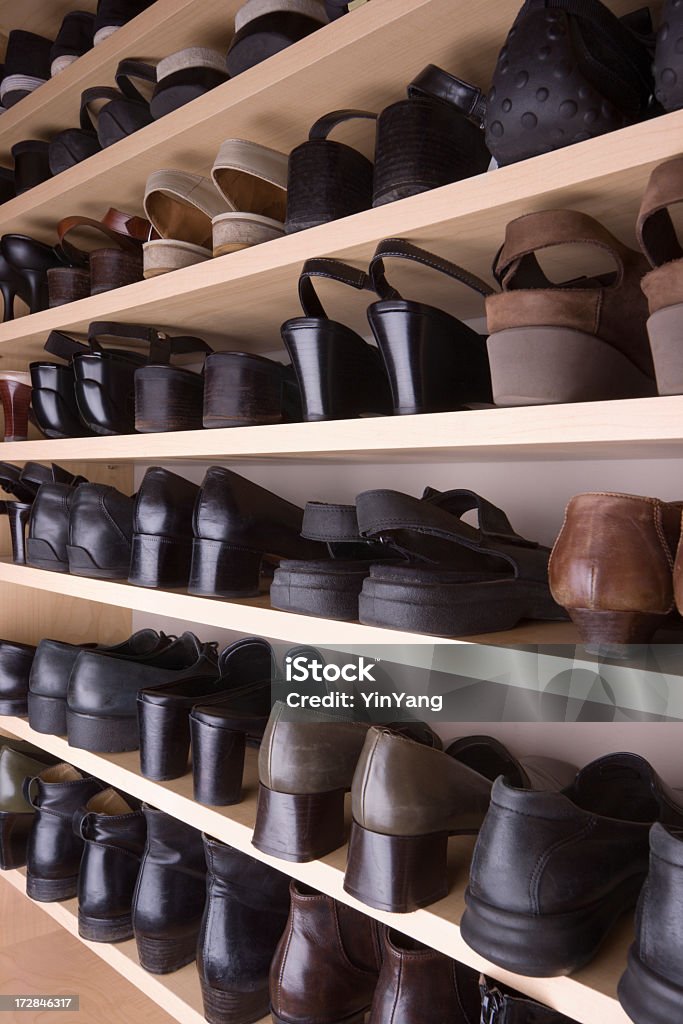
point(239, 301)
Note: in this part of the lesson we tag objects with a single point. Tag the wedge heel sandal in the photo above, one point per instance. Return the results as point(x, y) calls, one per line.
point(311, 824)
point(253, 181)
point(241, 389)
point(168, 398)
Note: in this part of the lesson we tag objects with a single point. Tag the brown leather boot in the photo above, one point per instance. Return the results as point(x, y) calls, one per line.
point(417, 985)
point(326, 966)
point(612, 566)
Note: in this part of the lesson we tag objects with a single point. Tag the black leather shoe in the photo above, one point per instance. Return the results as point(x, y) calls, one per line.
point(100, 532)
point(170, 894)
point(15, 667)
point(17, 761)
point(239, 525)
point(246, 912)
point(162, 530)
point(52, 665)
point(500, 1005)
point(73, 40)
point(244, 669)
point(48, 528)
point(114, 833)
point(101, 712)
point(220, 729)
point(651, 990)
point(552, 872)
point(54, 852)
point(24, 485)
point(27, 65)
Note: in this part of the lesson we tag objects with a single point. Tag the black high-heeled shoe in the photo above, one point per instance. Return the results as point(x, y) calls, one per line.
point(339, 374)
point(24, 485)
point(31, 261)
point(12, 285)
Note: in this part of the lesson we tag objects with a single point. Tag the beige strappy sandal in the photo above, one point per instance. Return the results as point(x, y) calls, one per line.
point(181, 207)
point(253, 181)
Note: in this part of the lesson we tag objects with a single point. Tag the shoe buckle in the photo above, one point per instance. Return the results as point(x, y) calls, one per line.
point(491, 1005)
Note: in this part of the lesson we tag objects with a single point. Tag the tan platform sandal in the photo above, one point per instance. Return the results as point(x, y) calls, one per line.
point(181, 207)
point(663, 286)
point(253, 181)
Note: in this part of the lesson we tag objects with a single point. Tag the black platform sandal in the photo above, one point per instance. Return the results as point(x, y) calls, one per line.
point(340, 375)
point(434, 362)
point(242, 389)
point(116, 113)
point(472, 580)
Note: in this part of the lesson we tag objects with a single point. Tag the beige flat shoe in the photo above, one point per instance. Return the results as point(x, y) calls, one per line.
point(253, 181)
point(181, 207)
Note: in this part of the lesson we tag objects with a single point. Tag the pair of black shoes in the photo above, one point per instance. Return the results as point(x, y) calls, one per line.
point(552, 873)
point(23, 485)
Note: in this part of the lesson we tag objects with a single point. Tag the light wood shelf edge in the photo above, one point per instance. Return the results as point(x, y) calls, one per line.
point(632, 428)
point(178, 994)
point(587, 997)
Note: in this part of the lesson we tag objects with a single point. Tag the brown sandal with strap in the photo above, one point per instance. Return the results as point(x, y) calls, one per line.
point(582, 340)
point(97, 270)
point(663, 286)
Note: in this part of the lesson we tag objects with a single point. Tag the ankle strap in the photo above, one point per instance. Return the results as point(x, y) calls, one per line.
point(399, 248)
point(436, 84)
point(130, 71)
point(161, 346)
point(655, 228)
point(88, 97)
point(64, 347)
point(334, 270)
point(516, 265)
point(324, 125)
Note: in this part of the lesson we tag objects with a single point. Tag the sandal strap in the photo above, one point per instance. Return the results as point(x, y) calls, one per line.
point(90, 96)
point(434, 83)
point(399, 248)
point(128, 72)
point(516, 265)
point(124, 229)
point(334, 270)
point(330, 523)
point(64, 347)
point(326, 124)
point(161, 346)
point(655, 228)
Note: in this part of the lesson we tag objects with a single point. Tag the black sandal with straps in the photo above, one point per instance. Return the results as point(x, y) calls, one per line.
point(464, 580)
point(116, 113)
point(434, 362)
point(340, 375)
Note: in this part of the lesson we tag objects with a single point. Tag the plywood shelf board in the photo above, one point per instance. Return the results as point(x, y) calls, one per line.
point(239, 301)
point(587, 997)
point(632, 428)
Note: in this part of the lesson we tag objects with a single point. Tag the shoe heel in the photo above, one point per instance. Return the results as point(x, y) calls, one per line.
point(242, 391)
point(299, 827)
point(51, 890)
point(96, 929)
point(598, 628)
point(240, 1007)
point(18, 514)
point(101, 735)
point(112, 268)
point(164, 741)
point(167, 398)
point(8, 292)
point(81, 563)
point(162, 956)
point(160, 561)
point(40, 555)
point(217, 764)
point(396, 873)
point(38, 297)
point(67, 284)
point(340, 376)
point(224, 570)
point(16, 401)
point(47, 714)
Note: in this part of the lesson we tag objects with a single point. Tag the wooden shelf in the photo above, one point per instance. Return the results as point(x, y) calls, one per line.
point(255, 616)
point(633, 428)
point(586, 997)
point(177, 993)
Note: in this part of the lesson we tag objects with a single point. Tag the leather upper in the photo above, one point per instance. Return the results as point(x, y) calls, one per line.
point(659, 918)
point(246, 912)
point(15, 766)
point(114, 842)
point(56, 794)
point(418, 985)
point(50, 517)
point(584, 572)
point(550, 853)
point(327, 962)
point(101, 522)
point(15, 666)
point(171, 888)
point(234, 510)
point(164, 505)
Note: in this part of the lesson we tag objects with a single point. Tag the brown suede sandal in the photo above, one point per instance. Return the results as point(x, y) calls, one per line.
point(580, 341)
point(663, 286)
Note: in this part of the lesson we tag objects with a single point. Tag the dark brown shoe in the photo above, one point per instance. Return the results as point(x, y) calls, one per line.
point(407, 799)
point(410, 971)
point(612, 563)
point(325, 968)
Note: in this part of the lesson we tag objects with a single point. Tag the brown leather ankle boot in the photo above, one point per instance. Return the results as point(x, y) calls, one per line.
point(326, 966)
point(612, 566)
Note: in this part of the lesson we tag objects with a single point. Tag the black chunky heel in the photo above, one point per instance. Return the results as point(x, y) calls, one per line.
point(168, 398)
point(435, 363)
point(242, 389)
point(224, 570)
point(160, 561)
point(339, 374)
point(299, 827)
